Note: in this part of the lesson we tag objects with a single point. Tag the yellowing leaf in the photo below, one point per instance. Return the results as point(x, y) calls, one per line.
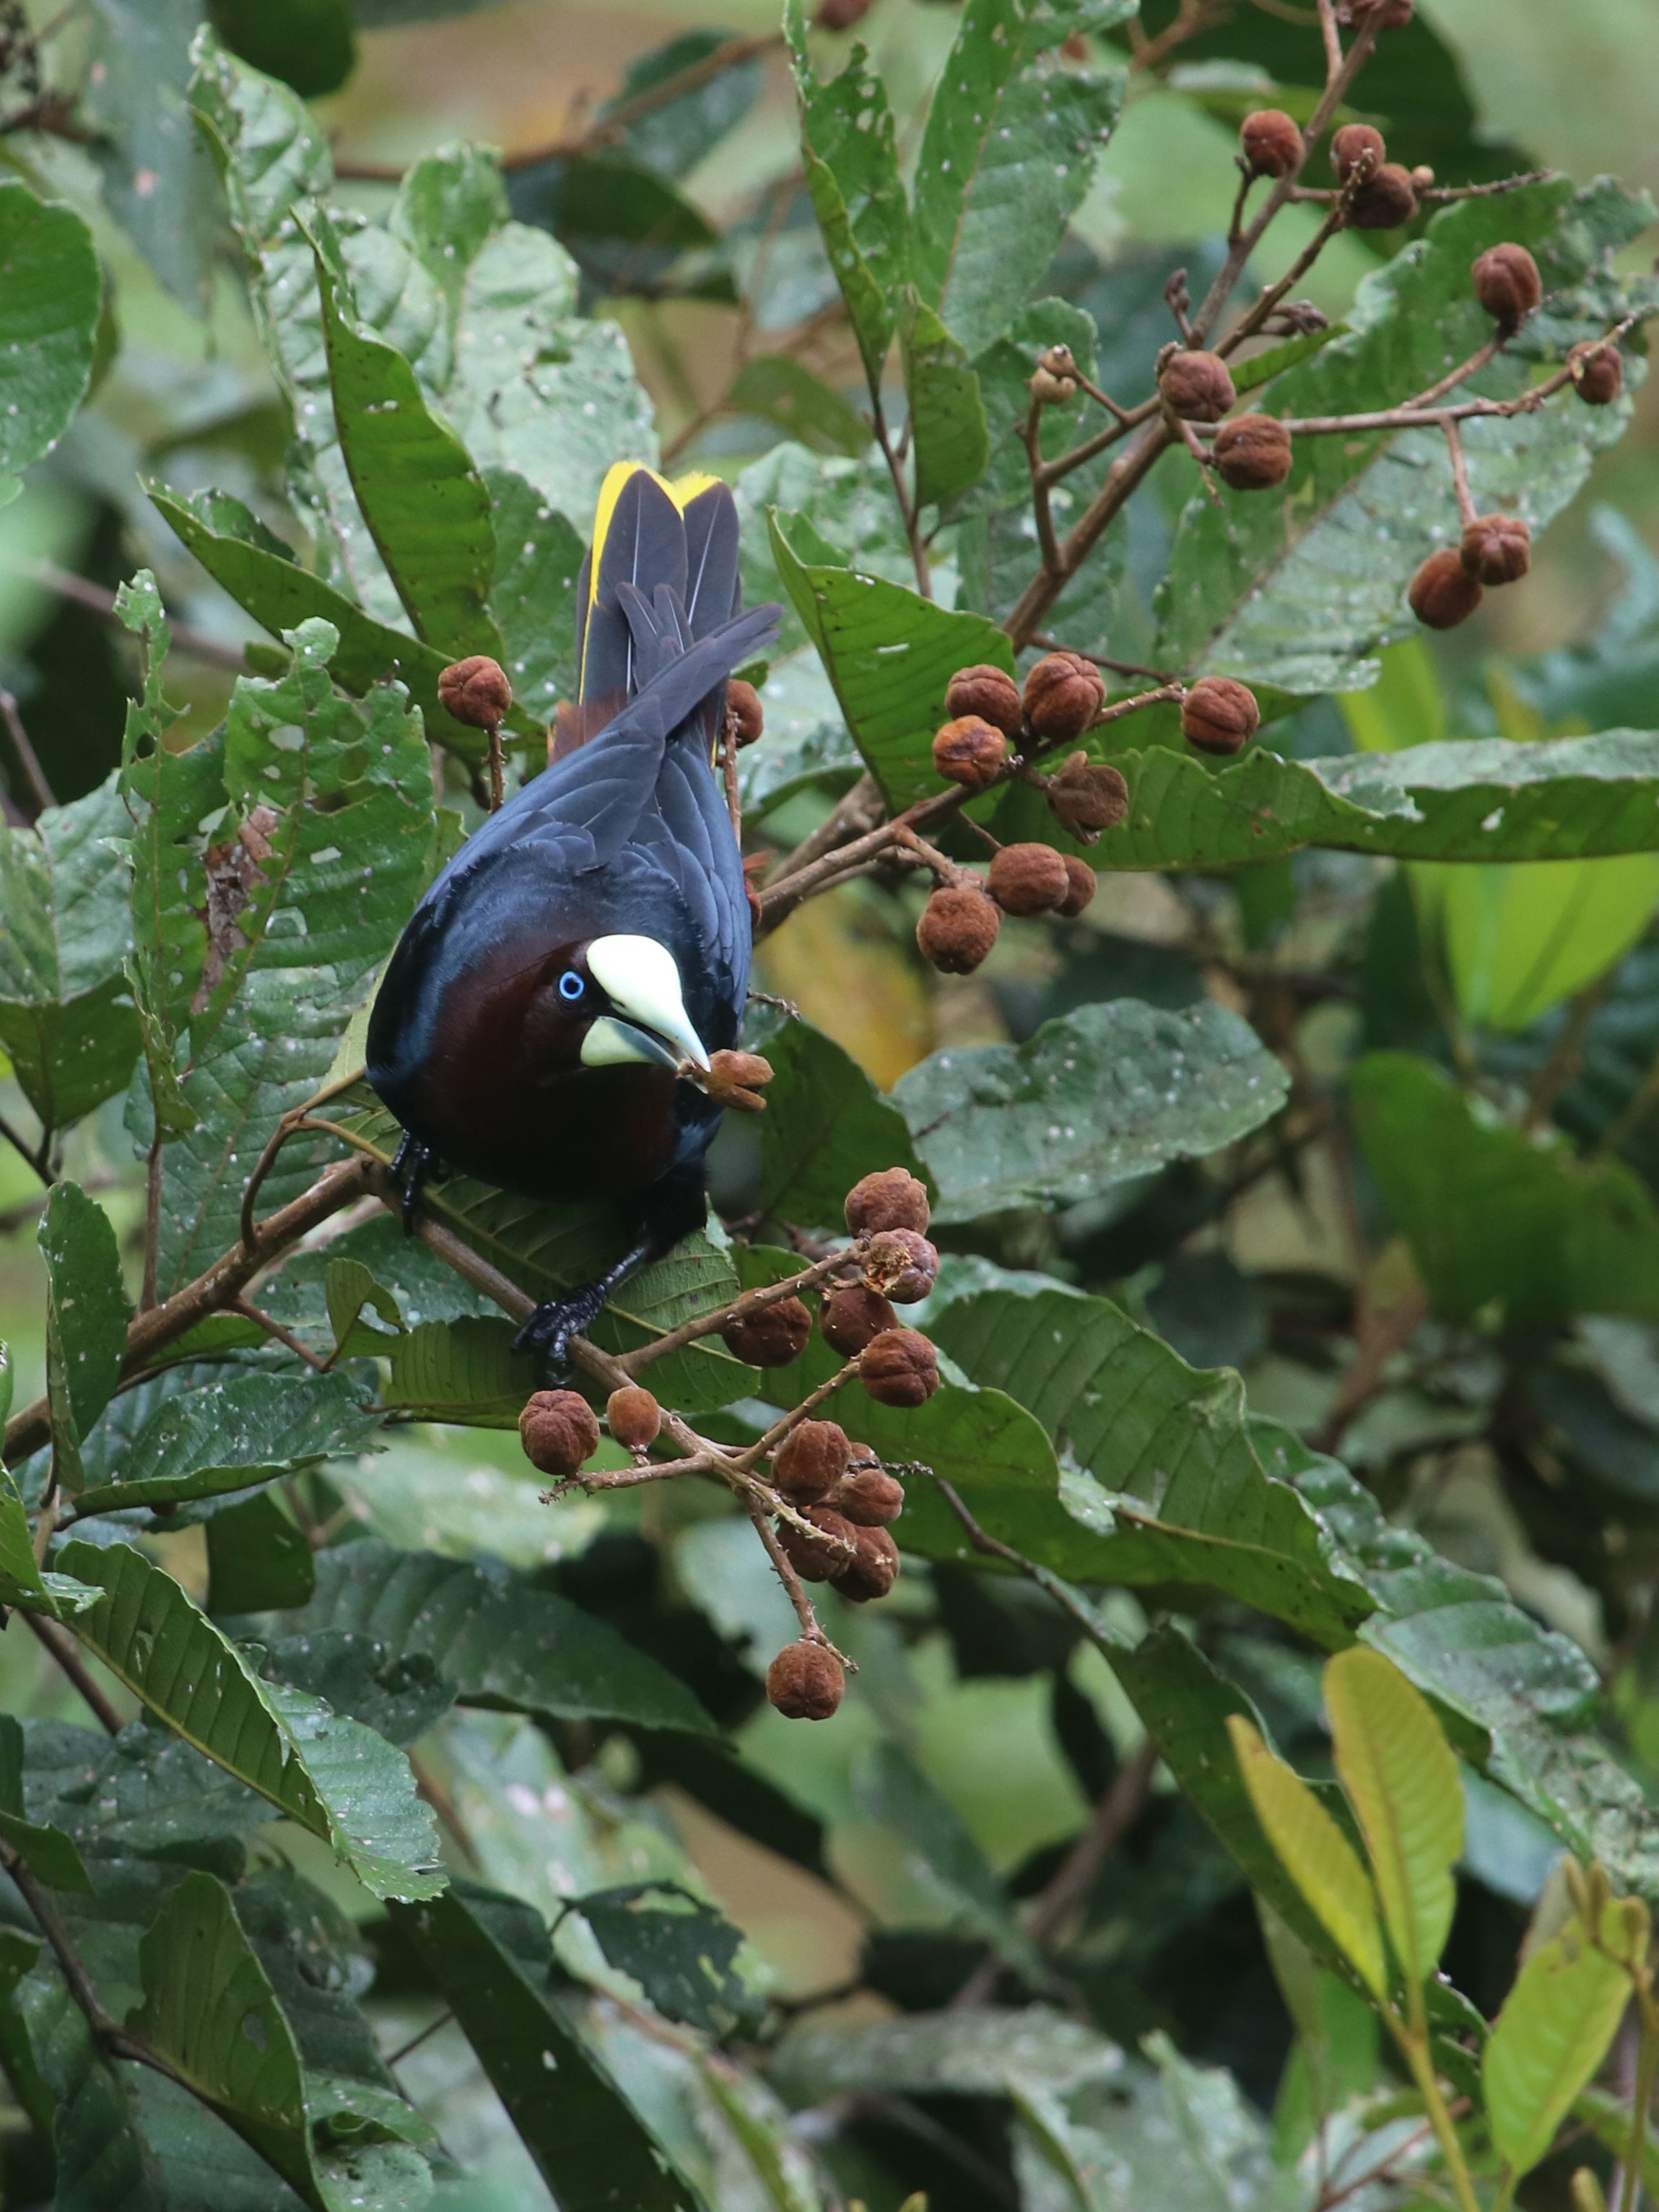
point(1403, 1780)
point(1553, 2033)
point(1316, 1854)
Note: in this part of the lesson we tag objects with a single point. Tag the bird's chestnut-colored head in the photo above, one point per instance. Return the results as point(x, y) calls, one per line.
point(613, 1001)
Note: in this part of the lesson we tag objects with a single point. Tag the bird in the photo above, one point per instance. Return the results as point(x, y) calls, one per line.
point(545, 1018)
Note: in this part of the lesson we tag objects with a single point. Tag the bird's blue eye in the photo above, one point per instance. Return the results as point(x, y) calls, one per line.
point(571, 985)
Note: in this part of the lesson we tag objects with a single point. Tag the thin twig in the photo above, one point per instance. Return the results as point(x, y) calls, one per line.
point(38, 1158)
point(28, 759)
point(96, 600)
point(62, 1648)
point(280, 1334)
point(1459, 472)
point(1567, 1056)
point(751, 1302)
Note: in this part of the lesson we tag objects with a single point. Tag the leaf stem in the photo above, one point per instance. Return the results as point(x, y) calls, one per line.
point(1414, 2047)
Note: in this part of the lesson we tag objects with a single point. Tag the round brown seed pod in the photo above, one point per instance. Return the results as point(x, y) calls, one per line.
point(1507, 284)
point(852, 1318)
point(841, 15)
point(970, 751)
point(1220, 715)
point(1063, 694)
point(1496, 549)
point(770, 1336)
point(899, 1367)
point(1443, 592)
point(475, 691)
point(1058, 361)
point(1197, 387)
point(869, 1497)
point(1386, 15)
point(1081, 884)
point(892, 1198)
point(1252, 452)
point(737, 1079)
point(811, 1461)
point(1357, 145)
point(1087, 797)
point(957, 928)
point(817, 1551)
point(900, 1265)
point(1027, 879)
point(558, 1430)
point(1271, 143)
point(806, 1681)
point(874, 1568)
point(1051, 391)
point(1422, 178)
point(633, 1416)
point(744, 715)
point(1598, 374)
point(985, 694)
point(1385, 200)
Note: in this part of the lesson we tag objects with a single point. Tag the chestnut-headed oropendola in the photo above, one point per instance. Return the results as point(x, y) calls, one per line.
point(587, 949)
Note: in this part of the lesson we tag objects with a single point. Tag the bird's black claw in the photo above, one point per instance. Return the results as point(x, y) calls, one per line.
point(548, 1332)
point(412, 1163)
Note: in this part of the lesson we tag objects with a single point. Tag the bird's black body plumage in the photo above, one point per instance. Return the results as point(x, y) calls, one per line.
point(476, 1038)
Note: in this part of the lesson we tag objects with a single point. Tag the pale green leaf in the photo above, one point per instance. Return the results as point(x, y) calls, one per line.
point(1552, 2034)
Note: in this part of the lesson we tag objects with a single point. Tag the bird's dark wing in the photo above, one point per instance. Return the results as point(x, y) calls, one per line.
point(711, 559)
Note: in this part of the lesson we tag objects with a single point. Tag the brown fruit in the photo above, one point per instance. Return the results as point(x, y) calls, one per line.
point(890, 1198)
point(853, 1318)
point(1199, 387)
point(1252, 452)
point(1061, 361)
point(1271, 142)
point(1220, 715)
point(558, 1430)
point(1598, 374)
point(1028, 879)
point(1081, 884)
point(744, 715)
point(820, 1550)
point(869, 1497)
point(770, 1336)
point(736, 1079)
point(633, 1416)
point(1063, 694)
point(1443, 592)
point(1386, 199)
point(873, 1570)
point(970, 751)
point(959, 928)
point(899, 1367)
point(1354, 144)
point(988, 695)
point(1386, 15)
point(806, 1681)
point(475, 691)
point(1496, 549)
point(900, 1265)
point(1085, 797)
point(811, 1461)
point(841, 15)
point(1051, 391)
point(1507, 284)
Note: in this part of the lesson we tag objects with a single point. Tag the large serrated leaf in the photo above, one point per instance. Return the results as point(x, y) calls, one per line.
point(332, 1776)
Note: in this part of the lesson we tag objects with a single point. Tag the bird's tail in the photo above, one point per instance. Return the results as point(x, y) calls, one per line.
point(675, 545)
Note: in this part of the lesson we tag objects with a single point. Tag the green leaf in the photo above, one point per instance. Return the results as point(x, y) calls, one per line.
point(259, 1559)
point(231, 1433)
point(1096, 1097)
point(332, 1776)
point(1295, 589)
point(678, 1949)
point(314, 872)
point(157, 180)
point(783, 390)
point(52, 296)
point(489, 1956)
point(463, 1371)
point(674, 137)
point(48, 1851)
point(1007, 156)
point(425, 505)
point(1403, 1781)
point(1519, 939)
point(87, 1314)
point(311, 44)
point(889, 654)
point(1318, 1856)
point(532, 595)
point(825, 1124)
point(502, 1643)
point(947, 415)
point(66, 1015)
point(351, 1291)
point(1494, 1216)
point(849, 150)
point(1167, 1487)
point(1553, 2031)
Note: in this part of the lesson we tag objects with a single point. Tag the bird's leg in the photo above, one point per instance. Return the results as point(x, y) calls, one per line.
point(411, 1163)
point(674, 1209)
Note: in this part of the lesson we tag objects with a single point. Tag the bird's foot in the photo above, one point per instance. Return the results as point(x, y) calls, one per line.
point(548, 1332)
point(411, 1165)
